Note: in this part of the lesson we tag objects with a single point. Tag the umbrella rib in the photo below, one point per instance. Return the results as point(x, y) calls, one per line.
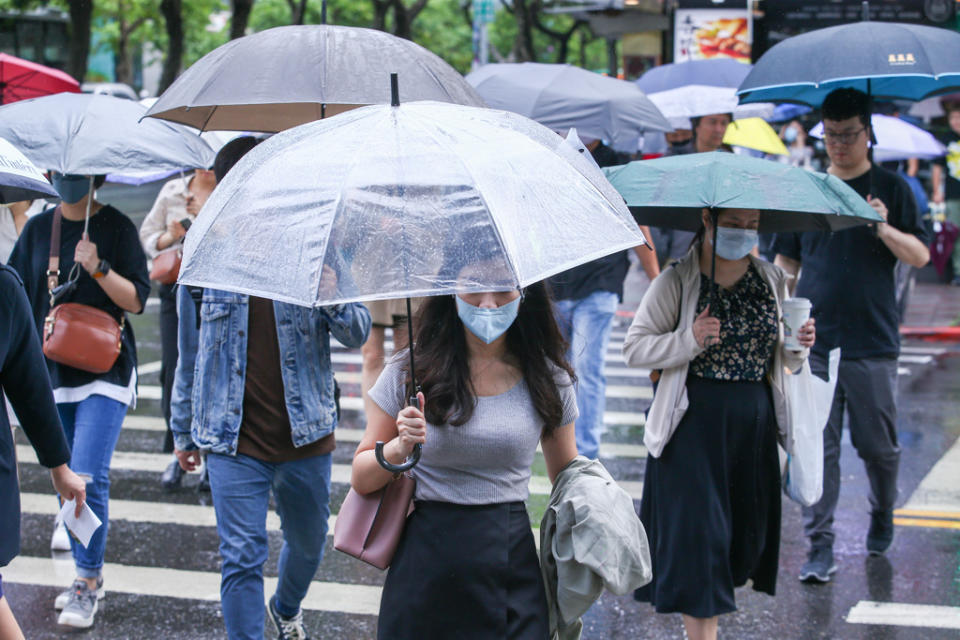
point(496, 230)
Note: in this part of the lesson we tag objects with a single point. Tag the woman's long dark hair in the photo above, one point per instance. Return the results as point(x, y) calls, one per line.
point(443, 371)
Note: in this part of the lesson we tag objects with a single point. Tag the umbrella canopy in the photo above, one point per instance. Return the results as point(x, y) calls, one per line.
point(286, 76)
point(713, 72)
point(419, 199)
point(887, 60)
point(561, 97)
point(672, 192)
point(19, 178)
point(787, 111)
point(693, 101)
point(95, 134)
point(897, 140)
point(21, 79)
point(754, 133)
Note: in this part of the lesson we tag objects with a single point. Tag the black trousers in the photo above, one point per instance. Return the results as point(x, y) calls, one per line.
point(168, 354)
point(465, 572)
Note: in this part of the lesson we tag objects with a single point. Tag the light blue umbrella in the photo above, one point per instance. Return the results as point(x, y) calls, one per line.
point(673, 192)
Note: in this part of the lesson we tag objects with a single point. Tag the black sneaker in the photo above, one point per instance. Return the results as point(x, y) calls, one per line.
point(880, 534)
point(819, 565)
point(172, 476)
point(287, 628)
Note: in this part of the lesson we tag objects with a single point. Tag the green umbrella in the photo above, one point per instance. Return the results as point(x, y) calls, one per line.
point(673, 192)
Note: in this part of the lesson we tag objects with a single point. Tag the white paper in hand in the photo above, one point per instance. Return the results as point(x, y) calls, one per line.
point(84, 526)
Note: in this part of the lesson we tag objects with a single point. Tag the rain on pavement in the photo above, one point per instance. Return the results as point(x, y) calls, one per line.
point(162, 573)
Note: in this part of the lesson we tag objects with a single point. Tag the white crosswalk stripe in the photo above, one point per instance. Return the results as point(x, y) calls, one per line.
point(157, 462)
point(193, 585)
point(905, 615)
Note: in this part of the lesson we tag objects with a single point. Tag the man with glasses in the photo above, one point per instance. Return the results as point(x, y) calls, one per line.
point(849, 277)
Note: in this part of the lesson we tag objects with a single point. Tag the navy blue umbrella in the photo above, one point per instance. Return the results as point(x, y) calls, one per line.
point(885, 60)
point(716, 72)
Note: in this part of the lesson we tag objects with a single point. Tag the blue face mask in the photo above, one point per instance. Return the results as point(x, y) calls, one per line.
point(790, 135)
point(487, 324)
point(72, 188)
point(734, 243)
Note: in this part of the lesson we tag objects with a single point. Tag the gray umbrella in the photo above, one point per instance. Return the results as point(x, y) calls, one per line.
point(86, 134)
point(560, 96)
point(286, 76)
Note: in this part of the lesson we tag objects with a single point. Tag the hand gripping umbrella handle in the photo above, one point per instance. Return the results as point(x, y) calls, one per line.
point(410, 463)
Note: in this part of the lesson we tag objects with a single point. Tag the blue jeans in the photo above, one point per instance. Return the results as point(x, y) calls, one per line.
point(241, 497)
point(92, 427)
point(586, 323)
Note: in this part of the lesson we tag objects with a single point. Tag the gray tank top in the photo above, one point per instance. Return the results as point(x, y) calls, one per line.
point(487, 459)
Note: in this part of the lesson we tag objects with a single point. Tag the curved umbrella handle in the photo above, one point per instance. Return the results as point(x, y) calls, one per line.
point(414, 458)
point(398, 468)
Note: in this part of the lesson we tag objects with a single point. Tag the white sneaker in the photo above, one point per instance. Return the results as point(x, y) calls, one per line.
point(61, 539)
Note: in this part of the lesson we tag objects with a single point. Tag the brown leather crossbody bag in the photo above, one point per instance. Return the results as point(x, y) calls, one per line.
point(78, 335)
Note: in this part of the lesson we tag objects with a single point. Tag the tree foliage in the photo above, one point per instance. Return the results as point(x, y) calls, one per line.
point(522, 30)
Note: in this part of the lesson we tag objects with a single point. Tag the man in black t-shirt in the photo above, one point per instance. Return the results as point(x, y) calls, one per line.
point(849, 277)
point(946, 181)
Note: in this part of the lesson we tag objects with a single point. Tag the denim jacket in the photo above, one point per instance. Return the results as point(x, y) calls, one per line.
point(207, 401)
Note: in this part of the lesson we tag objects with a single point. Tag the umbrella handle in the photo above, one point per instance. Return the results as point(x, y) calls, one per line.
point(398, 468)
point(410, 462)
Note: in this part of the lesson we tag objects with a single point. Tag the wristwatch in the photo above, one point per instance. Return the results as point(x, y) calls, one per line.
point(102, 269)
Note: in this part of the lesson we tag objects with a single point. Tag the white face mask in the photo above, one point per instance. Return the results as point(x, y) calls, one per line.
point(735, 243)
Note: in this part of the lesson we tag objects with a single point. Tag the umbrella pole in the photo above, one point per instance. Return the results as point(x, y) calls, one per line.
point(413, 401)
point(86, 217)
point(714, 217)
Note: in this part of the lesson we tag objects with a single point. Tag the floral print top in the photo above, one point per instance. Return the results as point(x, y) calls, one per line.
point(749, 330)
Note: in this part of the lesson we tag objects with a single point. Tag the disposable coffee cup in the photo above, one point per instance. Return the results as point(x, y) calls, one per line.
point(796, 312)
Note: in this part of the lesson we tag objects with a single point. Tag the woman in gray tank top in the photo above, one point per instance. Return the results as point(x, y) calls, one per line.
point(495, 384)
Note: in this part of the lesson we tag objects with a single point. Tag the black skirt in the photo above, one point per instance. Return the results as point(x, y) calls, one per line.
point(465, 572)
point(711, 501)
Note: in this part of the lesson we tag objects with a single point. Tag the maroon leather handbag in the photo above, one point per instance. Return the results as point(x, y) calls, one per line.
point(369, 527)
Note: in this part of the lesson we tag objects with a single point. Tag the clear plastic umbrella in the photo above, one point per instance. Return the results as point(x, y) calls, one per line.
point(394, 201)
point(695, 100)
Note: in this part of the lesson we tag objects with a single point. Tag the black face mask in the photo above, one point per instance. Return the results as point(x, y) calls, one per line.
point(680, 143)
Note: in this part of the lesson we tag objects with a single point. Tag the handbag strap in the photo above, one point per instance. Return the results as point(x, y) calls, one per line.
point(53, 266)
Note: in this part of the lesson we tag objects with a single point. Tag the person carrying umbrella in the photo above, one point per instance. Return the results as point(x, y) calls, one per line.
point(711, 499)
point(266, 419)
point(849, 278)
point(101, 265)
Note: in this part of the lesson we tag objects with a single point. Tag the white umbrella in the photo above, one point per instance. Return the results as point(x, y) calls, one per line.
point(87, 134)
point(897, 140)
point(420, 199)
point(696, 100)
point(561, 97)
point(19, 178)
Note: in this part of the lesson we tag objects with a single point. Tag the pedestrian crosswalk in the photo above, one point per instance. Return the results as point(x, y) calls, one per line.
point(138, 459)
point(343, 585)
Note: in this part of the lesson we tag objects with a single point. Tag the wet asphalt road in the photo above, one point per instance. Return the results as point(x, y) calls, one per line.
point(173, 552)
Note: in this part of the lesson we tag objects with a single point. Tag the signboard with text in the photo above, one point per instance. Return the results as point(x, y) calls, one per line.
point(804, 15)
